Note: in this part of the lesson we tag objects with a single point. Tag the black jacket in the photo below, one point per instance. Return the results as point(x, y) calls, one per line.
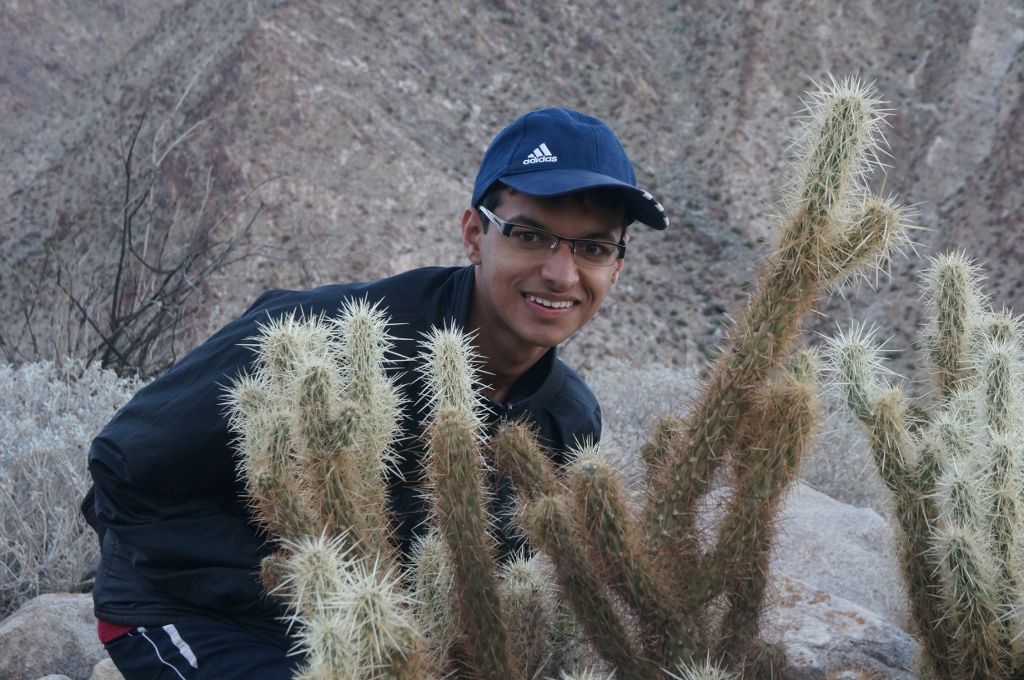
point(176, 536)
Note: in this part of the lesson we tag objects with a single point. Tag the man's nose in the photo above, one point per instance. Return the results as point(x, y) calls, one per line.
point(560, 266)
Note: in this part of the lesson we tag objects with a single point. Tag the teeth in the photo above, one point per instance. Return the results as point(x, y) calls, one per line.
point(564, 304)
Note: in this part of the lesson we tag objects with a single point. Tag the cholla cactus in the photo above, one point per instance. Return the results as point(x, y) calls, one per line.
point(315, 424)
point(956, 475)
point(753, 415)
point(455, 474)
point(635, 586)
point(598, 546)
point(831, 228)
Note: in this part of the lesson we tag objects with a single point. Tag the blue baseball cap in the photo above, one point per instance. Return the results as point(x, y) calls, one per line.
point(559, 151)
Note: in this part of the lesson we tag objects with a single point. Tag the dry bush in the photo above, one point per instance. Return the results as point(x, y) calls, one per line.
point(50, 415)
point(128, 286)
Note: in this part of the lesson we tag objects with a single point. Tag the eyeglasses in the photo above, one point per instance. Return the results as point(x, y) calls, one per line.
point(537, 241)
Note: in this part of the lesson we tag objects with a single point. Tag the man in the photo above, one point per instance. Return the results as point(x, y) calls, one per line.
point(177, 590)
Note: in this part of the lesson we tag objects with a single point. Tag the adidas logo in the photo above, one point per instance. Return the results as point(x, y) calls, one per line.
point(542, 154)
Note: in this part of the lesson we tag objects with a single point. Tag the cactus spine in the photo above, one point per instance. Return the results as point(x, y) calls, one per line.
point(316, 422)
point(955, 474)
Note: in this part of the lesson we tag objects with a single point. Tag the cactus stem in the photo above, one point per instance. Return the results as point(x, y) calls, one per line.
point(454, 471)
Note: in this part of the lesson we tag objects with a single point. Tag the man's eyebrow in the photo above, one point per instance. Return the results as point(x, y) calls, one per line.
point(527, 221)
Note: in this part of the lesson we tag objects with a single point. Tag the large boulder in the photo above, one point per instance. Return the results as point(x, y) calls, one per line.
point(829, 637)
point(847, 551)
point(51, 634)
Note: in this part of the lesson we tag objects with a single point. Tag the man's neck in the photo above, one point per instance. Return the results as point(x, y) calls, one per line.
point(503, 364)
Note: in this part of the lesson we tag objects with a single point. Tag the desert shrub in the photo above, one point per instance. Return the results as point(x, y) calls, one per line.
point(50, 415)
point(132, 298)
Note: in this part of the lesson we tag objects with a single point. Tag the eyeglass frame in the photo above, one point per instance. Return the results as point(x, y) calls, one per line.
point(505, 229)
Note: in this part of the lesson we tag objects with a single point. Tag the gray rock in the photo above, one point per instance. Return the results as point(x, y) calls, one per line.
point(51, 634)
point(53, 676)
point(847, 551)
point(826, 636)
point(106, 670)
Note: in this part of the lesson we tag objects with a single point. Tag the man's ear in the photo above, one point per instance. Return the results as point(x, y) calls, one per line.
point(617, 269)
point(472, 232)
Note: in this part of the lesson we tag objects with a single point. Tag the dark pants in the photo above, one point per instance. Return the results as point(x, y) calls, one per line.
point(202, 650)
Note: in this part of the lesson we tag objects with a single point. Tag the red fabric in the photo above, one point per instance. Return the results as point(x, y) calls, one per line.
point(109, 632)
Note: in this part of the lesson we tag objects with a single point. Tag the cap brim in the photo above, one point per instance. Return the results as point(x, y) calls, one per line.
point(552, 182)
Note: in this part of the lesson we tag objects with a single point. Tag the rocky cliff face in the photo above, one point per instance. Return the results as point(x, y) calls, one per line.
point(360, 128)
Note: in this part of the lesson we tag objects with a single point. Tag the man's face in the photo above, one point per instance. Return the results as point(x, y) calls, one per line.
point(526, 303)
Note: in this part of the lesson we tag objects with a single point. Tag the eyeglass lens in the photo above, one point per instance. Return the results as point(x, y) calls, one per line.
point(586, 250)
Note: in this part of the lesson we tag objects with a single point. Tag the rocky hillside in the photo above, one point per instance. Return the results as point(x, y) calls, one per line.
point(358, 127)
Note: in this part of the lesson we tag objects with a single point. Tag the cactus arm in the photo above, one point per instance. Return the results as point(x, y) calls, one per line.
point(330, 471)
point(269, 471)
point(876, 231)
point(454, 470)
point(886, 413)
point(969, 578)
point(265, 464)
point(670, 631)
point(516, 453)
point(550, 527)
point(998, 371)
point(666, 437)
point(455, 478)
point(953, 300)
point(839, 147)
point(548, 522)
point(775, 439)
point(433, 583)
point(362, 348)
point(531, 606)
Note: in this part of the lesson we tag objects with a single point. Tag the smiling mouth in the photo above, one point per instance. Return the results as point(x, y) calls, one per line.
point(550, 304)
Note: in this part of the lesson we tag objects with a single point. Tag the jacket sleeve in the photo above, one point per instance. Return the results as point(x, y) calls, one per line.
point(164, 471)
